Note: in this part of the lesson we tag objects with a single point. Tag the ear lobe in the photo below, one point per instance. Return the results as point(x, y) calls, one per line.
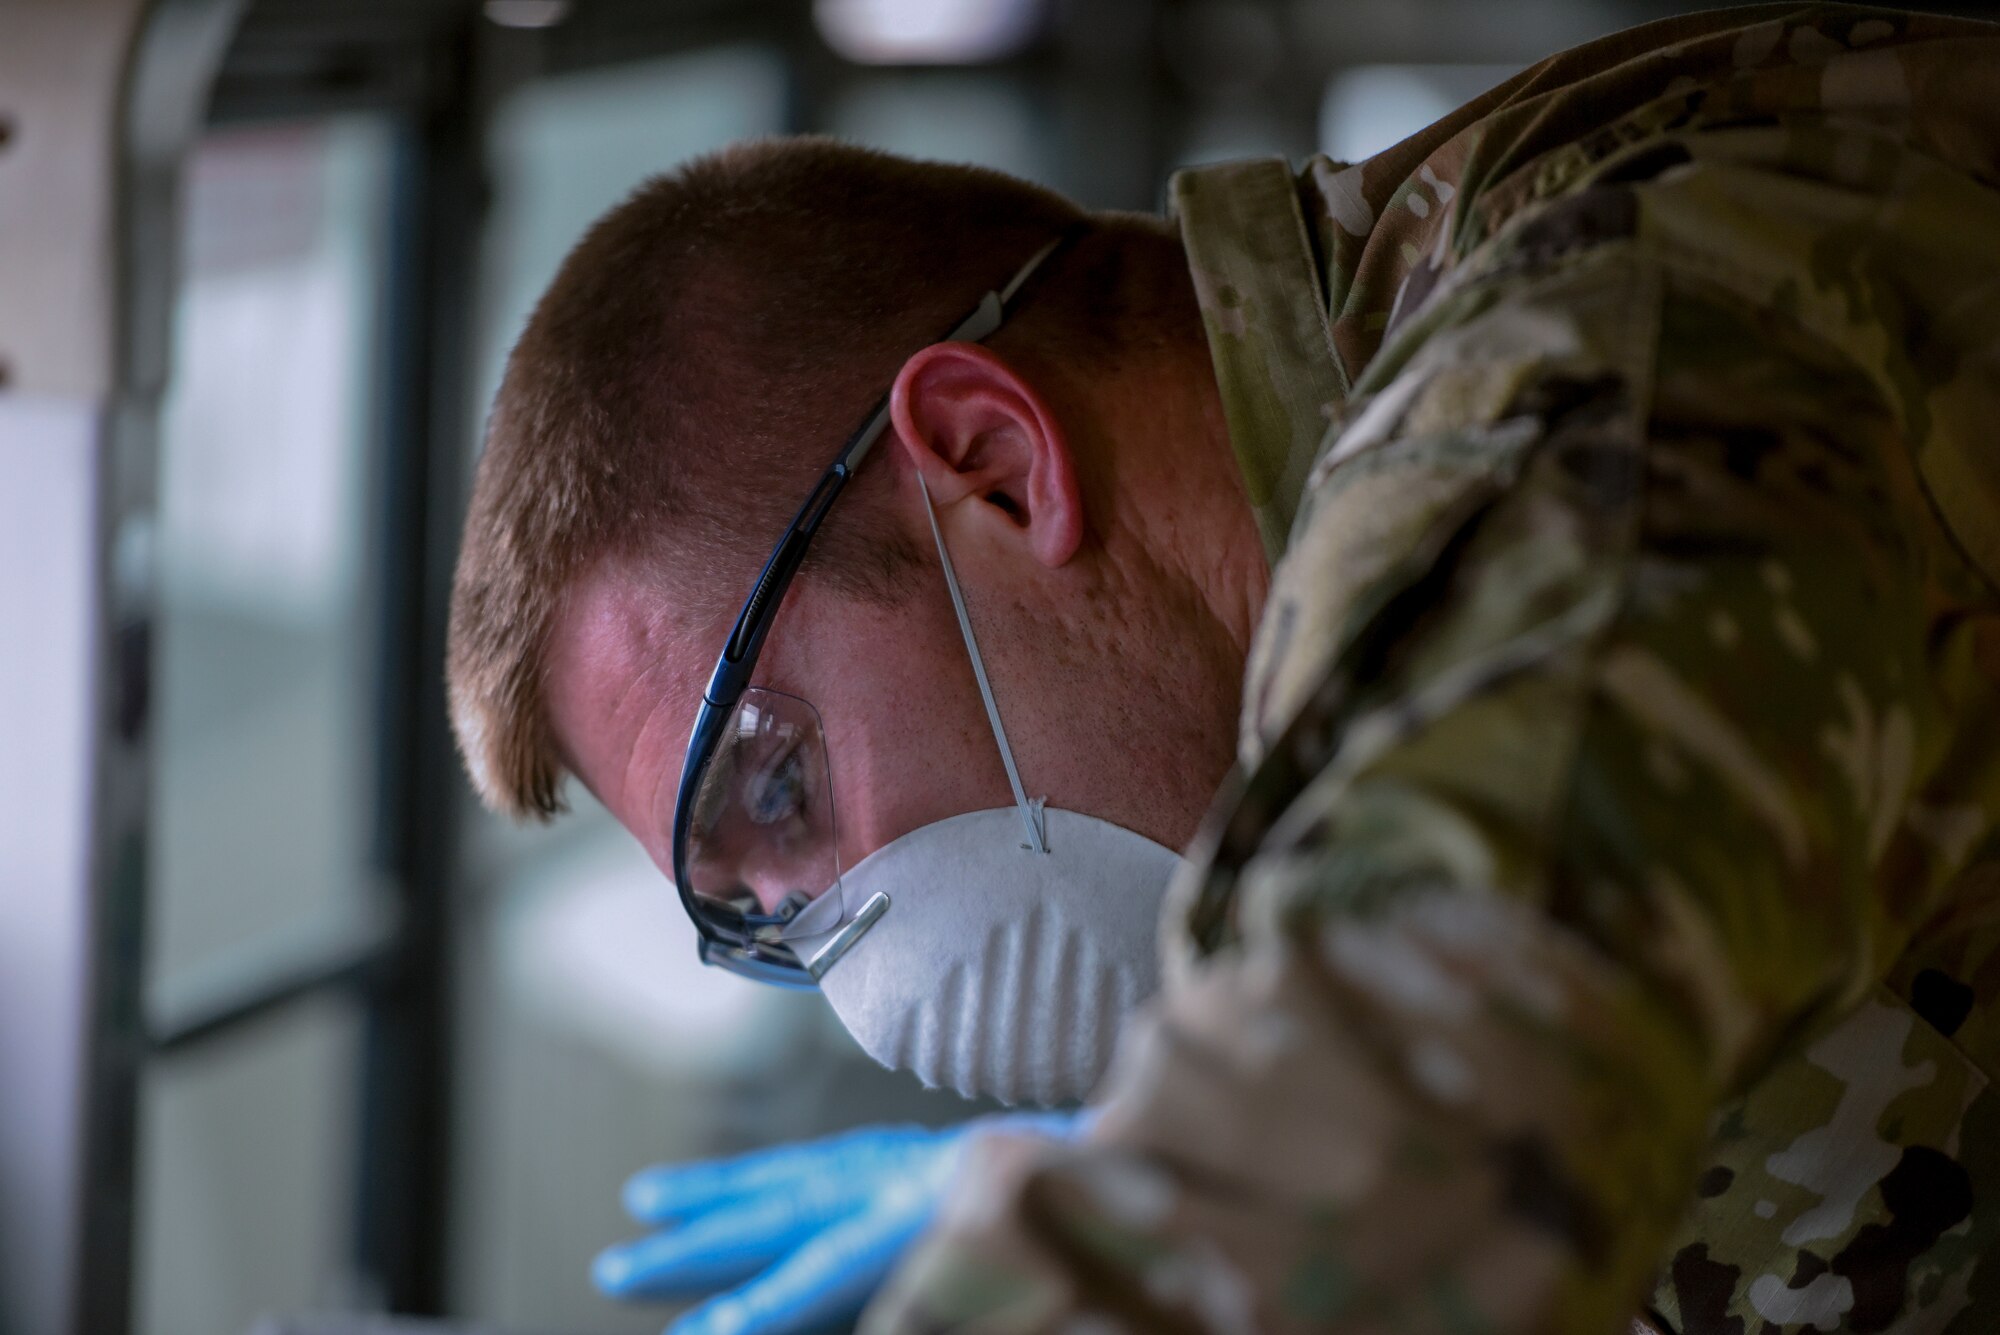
point(976, 429)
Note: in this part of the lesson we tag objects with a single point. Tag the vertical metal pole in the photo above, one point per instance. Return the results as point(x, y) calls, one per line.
point(1114, 102)
point(50, 448)
point(813, 74)
point(402, 1221)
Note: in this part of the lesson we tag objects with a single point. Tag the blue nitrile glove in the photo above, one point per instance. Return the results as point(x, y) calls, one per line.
point(813, 1228)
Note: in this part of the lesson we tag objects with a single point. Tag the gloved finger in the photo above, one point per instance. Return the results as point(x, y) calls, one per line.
point(825, 1283)
point(771, 1219)
point(673, 1191)
point(728, 1244)
point(1068, 1124)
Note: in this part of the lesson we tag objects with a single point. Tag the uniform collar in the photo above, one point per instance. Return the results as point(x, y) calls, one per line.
point(1264, 309)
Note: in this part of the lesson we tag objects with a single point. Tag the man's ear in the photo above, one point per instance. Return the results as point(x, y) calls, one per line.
point(977, 430)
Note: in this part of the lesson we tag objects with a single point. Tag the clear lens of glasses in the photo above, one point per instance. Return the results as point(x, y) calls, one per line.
point(761, 847)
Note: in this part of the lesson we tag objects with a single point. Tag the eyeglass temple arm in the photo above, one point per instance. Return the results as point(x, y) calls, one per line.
point(985, 320)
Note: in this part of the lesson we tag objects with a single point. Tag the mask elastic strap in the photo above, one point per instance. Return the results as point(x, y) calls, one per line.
point(1031, 815)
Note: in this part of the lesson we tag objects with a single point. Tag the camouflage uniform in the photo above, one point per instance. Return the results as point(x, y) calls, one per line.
point(1605, 914)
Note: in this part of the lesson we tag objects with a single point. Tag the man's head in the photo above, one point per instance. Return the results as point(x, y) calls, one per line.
point(700, 358)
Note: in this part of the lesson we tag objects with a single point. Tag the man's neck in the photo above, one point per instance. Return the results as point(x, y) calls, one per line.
point(1178, 488)
point(1235, 576)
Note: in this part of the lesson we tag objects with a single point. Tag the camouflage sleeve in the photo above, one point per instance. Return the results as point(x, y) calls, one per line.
point(1623, 710)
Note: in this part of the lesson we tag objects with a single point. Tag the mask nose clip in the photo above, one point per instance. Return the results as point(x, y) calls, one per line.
point(1039, 827)
point(787, 917)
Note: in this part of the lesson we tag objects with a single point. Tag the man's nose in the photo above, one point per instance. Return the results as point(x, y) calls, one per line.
point(773, 879)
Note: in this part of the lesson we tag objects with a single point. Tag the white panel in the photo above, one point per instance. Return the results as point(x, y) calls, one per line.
point(48, 481)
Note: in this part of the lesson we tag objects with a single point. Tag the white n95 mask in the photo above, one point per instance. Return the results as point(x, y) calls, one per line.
point(997, 952)
point(998, 970)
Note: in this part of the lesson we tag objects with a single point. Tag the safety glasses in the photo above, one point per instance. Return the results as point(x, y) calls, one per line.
point(755, 857)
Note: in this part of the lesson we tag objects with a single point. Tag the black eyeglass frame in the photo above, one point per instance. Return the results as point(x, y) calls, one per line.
point(730, 939)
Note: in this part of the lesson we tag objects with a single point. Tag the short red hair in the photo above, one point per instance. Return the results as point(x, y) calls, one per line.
point(694, 364)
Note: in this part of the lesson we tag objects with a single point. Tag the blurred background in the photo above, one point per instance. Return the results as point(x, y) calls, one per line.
point(382, 1051)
